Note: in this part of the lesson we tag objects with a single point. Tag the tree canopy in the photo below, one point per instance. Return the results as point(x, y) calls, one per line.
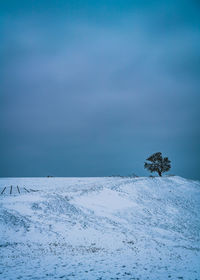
point(156, 163)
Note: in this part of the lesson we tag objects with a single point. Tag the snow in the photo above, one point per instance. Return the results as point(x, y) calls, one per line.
point(100, 228)
point(103, 202)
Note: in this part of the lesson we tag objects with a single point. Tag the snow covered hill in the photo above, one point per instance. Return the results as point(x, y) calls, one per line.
point(100, 228)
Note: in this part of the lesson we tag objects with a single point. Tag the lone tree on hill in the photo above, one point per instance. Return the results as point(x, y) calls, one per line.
point(157, 163)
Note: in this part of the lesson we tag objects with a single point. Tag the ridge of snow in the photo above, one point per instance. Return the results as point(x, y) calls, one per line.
point(100, 228)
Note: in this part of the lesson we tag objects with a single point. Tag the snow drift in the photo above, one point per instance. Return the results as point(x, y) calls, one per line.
point(100, 228)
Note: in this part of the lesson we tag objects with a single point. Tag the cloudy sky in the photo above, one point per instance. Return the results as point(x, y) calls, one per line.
point(92, 88)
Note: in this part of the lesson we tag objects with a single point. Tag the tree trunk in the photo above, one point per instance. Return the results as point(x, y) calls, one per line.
point(160, 173)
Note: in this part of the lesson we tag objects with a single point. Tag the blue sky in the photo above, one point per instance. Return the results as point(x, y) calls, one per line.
point(92, 88)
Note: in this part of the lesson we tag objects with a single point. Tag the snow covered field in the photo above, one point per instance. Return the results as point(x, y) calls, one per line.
point(100, 228)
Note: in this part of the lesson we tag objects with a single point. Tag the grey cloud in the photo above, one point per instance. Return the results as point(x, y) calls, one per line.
point(84, 98)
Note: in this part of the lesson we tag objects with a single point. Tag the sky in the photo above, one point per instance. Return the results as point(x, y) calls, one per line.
point(93, 88)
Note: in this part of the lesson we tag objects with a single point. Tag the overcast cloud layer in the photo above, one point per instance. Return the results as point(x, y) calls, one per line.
point(91, 88)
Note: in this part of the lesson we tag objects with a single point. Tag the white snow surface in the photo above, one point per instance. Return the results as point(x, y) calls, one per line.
point(100, 228)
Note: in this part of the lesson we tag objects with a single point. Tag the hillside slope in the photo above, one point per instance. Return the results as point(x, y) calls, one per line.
point(100, 228)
